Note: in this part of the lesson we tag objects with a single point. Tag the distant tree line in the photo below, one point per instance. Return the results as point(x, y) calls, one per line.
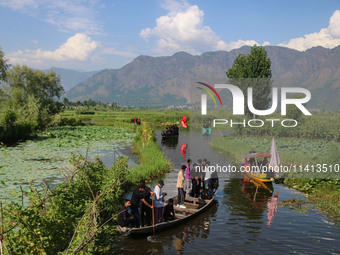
point(90, 104)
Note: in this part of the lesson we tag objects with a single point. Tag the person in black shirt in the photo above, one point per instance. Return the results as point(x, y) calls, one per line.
point(125, 219)
point(137, 199)
point(146, 208)
point(169, 213)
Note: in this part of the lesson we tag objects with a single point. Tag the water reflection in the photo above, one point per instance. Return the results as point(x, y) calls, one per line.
point(169, 142)
point(247, 204)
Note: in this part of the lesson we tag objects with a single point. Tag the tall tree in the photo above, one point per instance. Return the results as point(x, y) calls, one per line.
point(253, 70)
point(33, 93)
point(3, 66)
point(3, 73)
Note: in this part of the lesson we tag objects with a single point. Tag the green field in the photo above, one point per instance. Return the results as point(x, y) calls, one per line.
point(122, 117)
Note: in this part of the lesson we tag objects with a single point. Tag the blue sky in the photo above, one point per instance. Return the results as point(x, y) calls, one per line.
point(98, 34)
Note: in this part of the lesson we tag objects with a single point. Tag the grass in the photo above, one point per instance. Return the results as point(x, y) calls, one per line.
point(291, 150)
point(122, 117)
point(152, 162)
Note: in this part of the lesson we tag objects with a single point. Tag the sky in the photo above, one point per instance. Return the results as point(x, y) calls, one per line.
point(92, 35)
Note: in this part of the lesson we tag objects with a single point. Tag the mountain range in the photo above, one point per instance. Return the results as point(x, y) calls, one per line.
point(70, 78)
point(163, 81)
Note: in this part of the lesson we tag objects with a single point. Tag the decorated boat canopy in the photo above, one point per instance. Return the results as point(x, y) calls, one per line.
point(256, 155)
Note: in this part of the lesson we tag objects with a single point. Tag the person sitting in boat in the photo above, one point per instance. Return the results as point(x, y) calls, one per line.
point(125, 219)
point(169, 213)
point(252, 160)
point(159, 202)
point(207, 193)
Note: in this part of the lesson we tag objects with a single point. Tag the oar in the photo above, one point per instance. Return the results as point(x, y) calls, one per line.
point(257, 187)
point(153, 238)
point(153, 217)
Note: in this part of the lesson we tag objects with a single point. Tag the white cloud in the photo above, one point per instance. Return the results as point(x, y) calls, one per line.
point(221, 45)
point(76, 15)
point(182, 29)
point(78, 48)
point(114, 51)
point(327, 37)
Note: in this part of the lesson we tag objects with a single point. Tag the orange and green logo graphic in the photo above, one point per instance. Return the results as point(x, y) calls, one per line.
point(209, 93)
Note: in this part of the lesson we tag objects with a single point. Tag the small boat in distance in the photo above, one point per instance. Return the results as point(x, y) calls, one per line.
point(194, 206)
point(171, 131)
point(254, 169)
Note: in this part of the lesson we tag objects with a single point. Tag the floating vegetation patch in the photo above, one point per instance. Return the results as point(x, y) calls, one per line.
point(46, 158)
point(299, 205)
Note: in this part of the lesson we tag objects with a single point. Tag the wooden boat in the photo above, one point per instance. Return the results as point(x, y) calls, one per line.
point(257, 177)
point(194, 206)
point(169, 136)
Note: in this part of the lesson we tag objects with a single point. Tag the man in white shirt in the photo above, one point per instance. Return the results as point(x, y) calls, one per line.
point(159, 202)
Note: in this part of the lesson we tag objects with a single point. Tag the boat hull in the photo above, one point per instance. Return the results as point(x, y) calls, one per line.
point(189, 213)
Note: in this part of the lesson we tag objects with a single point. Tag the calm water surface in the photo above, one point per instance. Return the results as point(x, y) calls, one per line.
point(243, 220)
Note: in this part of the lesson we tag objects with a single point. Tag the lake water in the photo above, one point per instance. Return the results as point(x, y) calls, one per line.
point(242, 221)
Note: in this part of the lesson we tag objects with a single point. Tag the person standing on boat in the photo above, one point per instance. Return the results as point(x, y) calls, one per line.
point(207, 179)
point(180, 181)
point(159, 202)
point(136, 197)
point(137, 200)
point(146, 207)
point(187, 182)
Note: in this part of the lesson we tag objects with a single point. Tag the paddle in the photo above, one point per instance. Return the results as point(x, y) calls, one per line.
point(153, 238)
point(153, 217)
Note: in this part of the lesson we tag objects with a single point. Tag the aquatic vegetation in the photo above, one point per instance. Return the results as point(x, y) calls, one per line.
point(68, 217)
point(47, 157)
point(291, 150)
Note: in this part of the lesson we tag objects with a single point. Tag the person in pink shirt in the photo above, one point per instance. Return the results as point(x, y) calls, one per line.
point(187, 182)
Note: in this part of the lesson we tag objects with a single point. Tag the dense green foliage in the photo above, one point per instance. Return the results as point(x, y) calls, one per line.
point(151, 158)
point(253, 71)
point(81, 211)
point(3, 68)
point(32, 94)
point(71, 213)
point(12, 130)
point(30, 97)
